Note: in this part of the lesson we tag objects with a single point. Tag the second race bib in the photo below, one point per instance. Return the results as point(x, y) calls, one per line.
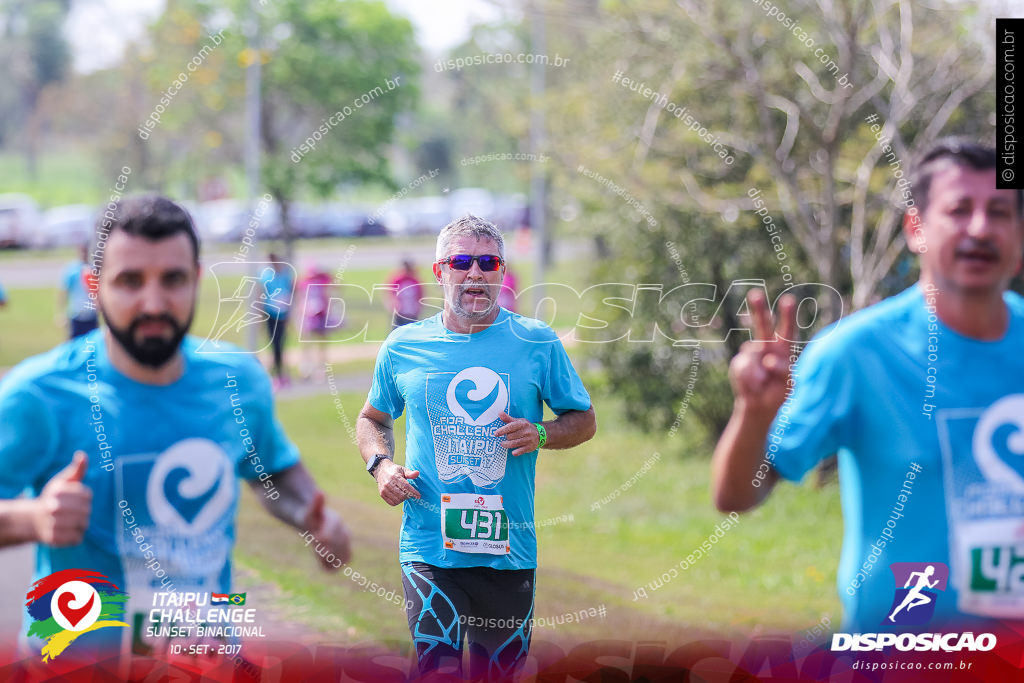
point(985, 487)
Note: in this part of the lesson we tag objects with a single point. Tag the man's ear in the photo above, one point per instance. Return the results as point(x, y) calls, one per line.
point(913, 230)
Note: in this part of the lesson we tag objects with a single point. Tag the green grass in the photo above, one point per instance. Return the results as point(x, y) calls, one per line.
point(29, 324)
point(64, 177)
point(775, 568)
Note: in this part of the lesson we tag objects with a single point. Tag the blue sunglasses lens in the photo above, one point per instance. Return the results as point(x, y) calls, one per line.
point(488, 263)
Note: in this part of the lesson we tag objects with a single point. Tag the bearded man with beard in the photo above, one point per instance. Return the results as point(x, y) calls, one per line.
point(473, 381)
point(131, 442)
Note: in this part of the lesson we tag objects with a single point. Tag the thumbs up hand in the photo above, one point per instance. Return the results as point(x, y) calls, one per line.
point(63, 506)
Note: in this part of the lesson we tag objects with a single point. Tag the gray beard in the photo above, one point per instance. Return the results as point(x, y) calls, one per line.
point(455, 301)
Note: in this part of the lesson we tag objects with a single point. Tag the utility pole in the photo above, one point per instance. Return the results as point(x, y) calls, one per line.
point(253, 77)
point(538, 177)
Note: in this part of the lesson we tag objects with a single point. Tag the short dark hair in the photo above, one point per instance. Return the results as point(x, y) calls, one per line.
point(151, 216)
point(957, 151)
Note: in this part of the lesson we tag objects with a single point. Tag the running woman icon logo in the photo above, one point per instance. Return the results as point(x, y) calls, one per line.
point(921, 582)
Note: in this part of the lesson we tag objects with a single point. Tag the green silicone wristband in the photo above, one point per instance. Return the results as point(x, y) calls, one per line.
point(543, 434)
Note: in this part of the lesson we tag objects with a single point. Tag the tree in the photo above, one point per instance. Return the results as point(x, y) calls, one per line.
point(335, 76)
point(788, 96)
point(36, 55)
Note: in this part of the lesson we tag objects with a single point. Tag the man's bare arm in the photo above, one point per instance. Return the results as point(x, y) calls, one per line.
point(571, 428)
point(758, 374)
point(17, 521)
point(737, 459)
point(296, 488)
point(301, 504)
point(375, 435)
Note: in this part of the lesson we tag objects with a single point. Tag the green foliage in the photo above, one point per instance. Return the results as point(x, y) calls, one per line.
point(794, 131)
point(35, 54)
point(326, 72)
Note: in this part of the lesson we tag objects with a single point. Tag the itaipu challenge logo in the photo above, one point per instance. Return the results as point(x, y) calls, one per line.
point(70, 603)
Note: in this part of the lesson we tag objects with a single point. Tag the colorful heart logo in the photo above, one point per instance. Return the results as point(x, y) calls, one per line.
point(75, 605)
point(72, 614)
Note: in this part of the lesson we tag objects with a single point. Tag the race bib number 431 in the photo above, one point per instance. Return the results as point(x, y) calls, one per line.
point(474, 523)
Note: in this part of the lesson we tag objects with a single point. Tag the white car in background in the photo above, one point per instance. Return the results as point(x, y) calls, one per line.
point(474, 200)
point(226, 220)
point(19, 220)
point(65, 226)
point(426, 215)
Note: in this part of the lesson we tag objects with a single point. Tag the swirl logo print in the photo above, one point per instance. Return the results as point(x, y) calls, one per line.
point(464, 410)
point(70, 603)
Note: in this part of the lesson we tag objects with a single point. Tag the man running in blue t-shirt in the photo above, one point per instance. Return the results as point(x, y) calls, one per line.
point(473, 381)
point(922, 398)
point(278, 287)
point(131, 444)
point(74, 297)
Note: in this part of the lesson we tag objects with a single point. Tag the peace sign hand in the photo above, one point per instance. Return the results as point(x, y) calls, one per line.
point(759, 372)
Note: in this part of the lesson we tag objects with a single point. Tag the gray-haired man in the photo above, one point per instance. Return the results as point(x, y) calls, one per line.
point(468, 546)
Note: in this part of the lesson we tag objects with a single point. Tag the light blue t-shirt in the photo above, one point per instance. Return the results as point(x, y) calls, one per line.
point(452, 388)
point(164, 463)
point(929, 428)
point(277, 290)
point(79, 306)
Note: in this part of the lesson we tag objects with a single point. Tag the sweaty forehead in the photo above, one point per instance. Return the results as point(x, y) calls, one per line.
point(132, 252)
point(467, 244)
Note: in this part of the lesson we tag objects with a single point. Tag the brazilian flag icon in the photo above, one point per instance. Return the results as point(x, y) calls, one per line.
point(236, 598)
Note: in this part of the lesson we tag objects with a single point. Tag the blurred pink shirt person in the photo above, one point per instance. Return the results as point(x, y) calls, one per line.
point(507, 293)
point(408, 295)
point(317, 296)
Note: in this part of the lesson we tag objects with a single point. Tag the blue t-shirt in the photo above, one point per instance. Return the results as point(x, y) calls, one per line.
point(3, 295)
point(452, 388)
point(164, 462)
point(929, 428)
point(277, 291)
point(79, 306)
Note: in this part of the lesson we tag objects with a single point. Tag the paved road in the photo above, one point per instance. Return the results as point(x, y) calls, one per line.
point(17, 565)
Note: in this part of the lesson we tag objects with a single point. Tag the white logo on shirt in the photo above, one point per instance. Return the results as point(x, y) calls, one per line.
point(998, 442)
point(191, 486)
point(484, 380)
point(463, 409)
